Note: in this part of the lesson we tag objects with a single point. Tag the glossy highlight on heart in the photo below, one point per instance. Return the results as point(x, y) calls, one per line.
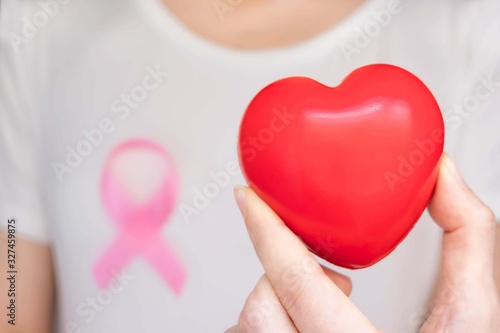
point(349, 169)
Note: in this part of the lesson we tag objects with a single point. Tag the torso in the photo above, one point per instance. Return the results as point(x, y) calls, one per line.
point(194, 113)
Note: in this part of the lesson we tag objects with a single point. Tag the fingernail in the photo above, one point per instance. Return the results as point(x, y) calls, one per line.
point(241, 198)
point(453, 169)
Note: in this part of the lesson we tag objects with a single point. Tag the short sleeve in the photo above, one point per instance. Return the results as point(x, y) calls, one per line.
point(20, 195)
point(477, 106)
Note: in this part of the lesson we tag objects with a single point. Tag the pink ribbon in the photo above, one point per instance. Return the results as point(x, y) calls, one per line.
point(139, 223)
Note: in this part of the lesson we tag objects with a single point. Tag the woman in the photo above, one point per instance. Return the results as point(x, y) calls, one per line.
point(80, 78)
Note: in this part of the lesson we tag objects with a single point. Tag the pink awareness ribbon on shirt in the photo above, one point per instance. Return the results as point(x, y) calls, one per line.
point(139, 224)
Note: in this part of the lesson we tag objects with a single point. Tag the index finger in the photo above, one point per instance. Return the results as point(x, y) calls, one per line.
point(314, 303)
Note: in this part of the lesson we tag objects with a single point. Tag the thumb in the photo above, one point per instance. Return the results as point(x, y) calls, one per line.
point(468, 224)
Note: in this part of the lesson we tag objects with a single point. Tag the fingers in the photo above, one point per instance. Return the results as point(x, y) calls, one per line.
point(343, 282)
point(233, 329)
point(313, 302)
point(466, 297)
point(263, 312)
point(497, 259)
point(469, 225)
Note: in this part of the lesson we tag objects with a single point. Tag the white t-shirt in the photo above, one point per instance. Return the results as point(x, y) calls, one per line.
point(65, 78)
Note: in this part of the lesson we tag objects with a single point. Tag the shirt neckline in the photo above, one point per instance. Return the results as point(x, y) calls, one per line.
point(327, 42)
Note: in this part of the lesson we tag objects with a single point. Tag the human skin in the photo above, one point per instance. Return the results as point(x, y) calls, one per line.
point(34, 287)
point(313, 302)
point(259, 24)
point(279, 23)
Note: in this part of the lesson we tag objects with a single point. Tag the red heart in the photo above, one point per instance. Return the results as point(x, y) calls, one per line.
point(349, 169)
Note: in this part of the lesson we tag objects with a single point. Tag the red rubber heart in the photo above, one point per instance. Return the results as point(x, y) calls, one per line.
point(349, 169)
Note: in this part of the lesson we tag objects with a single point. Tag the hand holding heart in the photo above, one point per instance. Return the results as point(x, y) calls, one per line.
point(351, 166)
point(296, 294)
